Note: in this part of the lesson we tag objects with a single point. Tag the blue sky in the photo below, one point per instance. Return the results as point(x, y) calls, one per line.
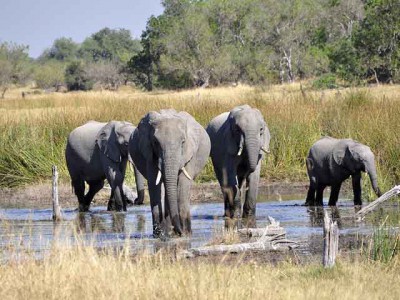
point(38, 23)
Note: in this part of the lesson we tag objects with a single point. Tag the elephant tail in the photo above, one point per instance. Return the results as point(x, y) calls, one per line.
point(310, 164)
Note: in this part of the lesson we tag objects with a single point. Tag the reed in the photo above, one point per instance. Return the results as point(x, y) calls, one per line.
point(82, 272)
point(33, 131)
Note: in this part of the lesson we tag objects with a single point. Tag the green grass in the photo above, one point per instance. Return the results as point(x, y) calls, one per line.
point(33, 131)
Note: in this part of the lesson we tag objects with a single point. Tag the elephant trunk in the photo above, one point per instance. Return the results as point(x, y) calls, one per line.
point(252, 142)
point(371, 170)
point(171, 170)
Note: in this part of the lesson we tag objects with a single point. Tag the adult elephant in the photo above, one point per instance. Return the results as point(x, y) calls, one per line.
point(96, 151)
point(170, 148)
point(238, 140)
point(330, 161)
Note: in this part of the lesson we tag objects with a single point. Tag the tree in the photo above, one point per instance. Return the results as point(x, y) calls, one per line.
point(145, 65)
point(377, 39)
point(76, 77)
point(63, 49)
point(106, 74)
point(15, 65)
point(50, 74)
point(110, 44)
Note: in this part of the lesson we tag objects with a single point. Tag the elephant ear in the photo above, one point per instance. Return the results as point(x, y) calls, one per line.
point(266, 137)
point(343, 156)
point(107, 141)
point(230, 139)
point(192, 136)
point(145, 129)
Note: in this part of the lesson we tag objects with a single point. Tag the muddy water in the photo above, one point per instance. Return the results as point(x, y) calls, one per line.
point(33, 231)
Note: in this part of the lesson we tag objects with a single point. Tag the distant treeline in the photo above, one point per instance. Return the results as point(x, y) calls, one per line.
point(219, 42)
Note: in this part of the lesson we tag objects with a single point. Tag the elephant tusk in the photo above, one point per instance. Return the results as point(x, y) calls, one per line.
point(186, 173)
point(158, 177)
point(265, 150)
point(240, 151)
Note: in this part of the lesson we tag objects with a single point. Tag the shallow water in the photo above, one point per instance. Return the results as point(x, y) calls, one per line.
point(34, 231)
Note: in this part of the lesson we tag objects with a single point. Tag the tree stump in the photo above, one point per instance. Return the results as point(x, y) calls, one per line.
point(56, 206)
point(331, 241)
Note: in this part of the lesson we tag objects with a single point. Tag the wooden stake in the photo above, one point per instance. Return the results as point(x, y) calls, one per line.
point(56, 206)
point(370, 207)
point(331, 241)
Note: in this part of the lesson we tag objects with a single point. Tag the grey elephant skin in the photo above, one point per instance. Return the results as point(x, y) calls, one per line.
point(170, 148)
point(238, 140)
point(97, 151)
point(330, 161)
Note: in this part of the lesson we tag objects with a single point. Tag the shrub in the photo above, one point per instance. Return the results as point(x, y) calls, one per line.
point(76, 77)
point(326, 81)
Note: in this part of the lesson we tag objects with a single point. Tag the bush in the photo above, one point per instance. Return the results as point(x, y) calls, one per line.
point(326, 81)
point(76, 77)
point(50, 75)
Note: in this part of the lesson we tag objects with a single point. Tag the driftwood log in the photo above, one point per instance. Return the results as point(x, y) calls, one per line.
point(370, 207)
point(273, 229)
point(57, 216)
point(267, 242)
point(331, 241)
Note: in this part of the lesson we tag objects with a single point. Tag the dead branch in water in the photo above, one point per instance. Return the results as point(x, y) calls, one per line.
point(267, 242)
point(56, 205)
point(370, 207)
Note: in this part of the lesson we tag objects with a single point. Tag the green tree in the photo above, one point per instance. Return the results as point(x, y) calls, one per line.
point(76, 77)
point(110, 44)
point(63, 49)
point(50, 74)
point(15, 65)
point(377, 40)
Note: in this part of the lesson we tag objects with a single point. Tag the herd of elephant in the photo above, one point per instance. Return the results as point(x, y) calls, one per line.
point(170, 148)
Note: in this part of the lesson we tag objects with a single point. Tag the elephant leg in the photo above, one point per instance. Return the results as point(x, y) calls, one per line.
point(230, 188)
point(320, 195)
point(155, 202)
point(79, 190)
point(139, 187)
point(310, 200)
point(184, 187)
point(115, 178)
point(94, 187)
point(333, 198)
point(249, 207)
point(356, 181)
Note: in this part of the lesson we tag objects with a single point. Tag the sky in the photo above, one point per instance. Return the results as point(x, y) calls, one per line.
point(37, 23)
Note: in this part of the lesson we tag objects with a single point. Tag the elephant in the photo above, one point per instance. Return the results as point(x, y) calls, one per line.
point(331, 161)
point(170, 148)
point(96, 151)
point(238, 140)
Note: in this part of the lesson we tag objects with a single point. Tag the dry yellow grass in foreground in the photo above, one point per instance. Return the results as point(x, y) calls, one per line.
point(85, 274)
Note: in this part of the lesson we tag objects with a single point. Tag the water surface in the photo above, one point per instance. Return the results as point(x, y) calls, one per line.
point(34, 231)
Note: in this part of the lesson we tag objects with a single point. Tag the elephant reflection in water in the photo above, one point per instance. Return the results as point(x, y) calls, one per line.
point(94, 223)
point(316, 214)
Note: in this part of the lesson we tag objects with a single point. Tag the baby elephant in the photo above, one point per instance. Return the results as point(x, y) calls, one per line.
point(331, 161)
point(96, 151)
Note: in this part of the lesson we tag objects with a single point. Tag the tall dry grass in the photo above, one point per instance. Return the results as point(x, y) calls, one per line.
point(33, 131)
point(84, 273)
